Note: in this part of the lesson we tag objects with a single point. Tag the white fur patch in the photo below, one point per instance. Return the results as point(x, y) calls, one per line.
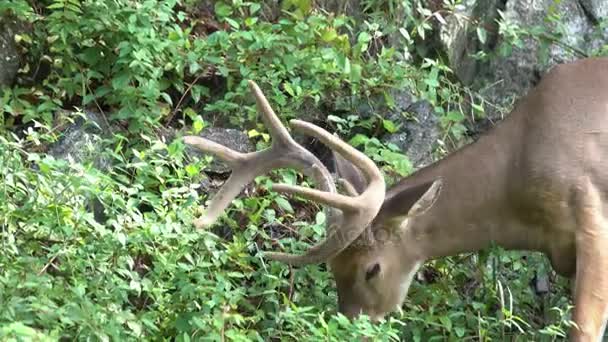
point(406, 282)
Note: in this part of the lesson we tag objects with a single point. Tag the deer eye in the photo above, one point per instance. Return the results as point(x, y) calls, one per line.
point(372, 271)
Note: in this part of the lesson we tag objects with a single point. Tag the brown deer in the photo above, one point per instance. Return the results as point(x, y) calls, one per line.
point(537, 181)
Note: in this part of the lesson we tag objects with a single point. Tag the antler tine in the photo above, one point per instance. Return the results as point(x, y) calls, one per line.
point(348, 187)
point(226, 154)
point(331, 199)
point(358, 212)
point(316, 254)
point(221, 200)
point(272, 122)
point(353, 155)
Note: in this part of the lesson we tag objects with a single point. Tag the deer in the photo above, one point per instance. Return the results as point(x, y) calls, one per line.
point(536, 181)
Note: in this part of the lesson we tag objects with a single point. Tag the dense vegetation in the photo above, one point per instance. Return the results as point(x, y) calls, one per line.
point(135, 267)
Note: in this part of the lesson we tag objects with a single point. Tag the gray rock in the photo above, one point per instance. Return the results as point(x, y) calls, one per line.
point(229, 137)
point(505, 79)
point(377, 105)
point(459, 37)
point(418, 133)
point(419, 125)
point(502, 80)
point(595, 9)
point(82, 141)
point(542, 285)
point(9, 56)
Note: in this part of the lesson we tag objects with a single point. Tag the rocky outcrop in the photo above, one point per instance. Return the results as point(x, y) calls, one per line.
point(418, 133)
point(514, 69)
point(9, 55)
point(82, 140)
point(596, 10)
point(232, 138)
point(417, 122)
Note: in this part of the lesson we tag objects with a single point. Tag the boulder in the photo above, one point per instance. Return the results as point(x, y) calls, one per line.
point(418, 133)
point(418, 125)
point(459, 36)
point(229, 137)
point(82, 140)
point(500, 80)
point(9, 55)
point(596, 10)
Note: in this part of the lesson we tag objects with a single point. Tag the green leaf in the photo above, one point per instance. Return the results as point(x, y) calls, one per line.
point(343, 63)
point(389, 126)
point(121, 237)
point(283, 204)
point(432, 80)
point(482, 34)
point(251, 21)
point(198, 124)
point(320, 218)
point(57, 5)
point(192, 170)
point(222, 10)
point(358, 140)
point(446, 321)
point(329, 35)
point(347, 65)
point(254, 7)
point(364, 37)
point(405, 34)
point(233, 23)
point(356, 73)
point(289, 89)
point(174, 36)
point(455, 116)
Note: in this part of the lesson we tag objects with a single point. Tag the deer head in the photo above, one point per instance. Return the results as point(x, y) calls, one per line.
point(371, 263)
point(373, 274)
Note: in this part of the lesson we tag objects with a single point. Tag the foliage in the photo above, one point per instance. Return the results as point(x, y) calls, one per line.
point(110, 253)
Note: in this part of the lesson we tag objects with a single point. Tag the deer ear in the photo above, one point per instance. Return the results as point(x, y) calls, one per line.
point(404, 203)
point(426, 201)
point(410, 201)
point(350, 173)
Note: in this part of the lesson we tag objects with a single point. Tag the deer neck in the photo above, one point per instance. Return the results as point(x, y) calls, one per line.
point(473, 209)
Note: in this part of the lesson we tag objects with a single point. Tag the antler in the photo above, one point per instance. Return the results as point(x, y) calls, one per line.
point(357, 211)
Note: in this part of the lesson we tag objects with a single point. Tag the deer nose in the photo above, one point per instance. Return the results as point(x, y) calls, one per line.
point(353, 311)
point(348, 309)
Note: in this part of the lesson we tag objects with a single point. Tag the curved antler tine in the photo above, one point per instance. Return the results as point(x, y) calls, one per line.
point(273, 123)
point(350, 153)
point(224, 153)
point(322, 177)
point(328, 198)
point(336, 242)
point(222, 199)
point(348, 188)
